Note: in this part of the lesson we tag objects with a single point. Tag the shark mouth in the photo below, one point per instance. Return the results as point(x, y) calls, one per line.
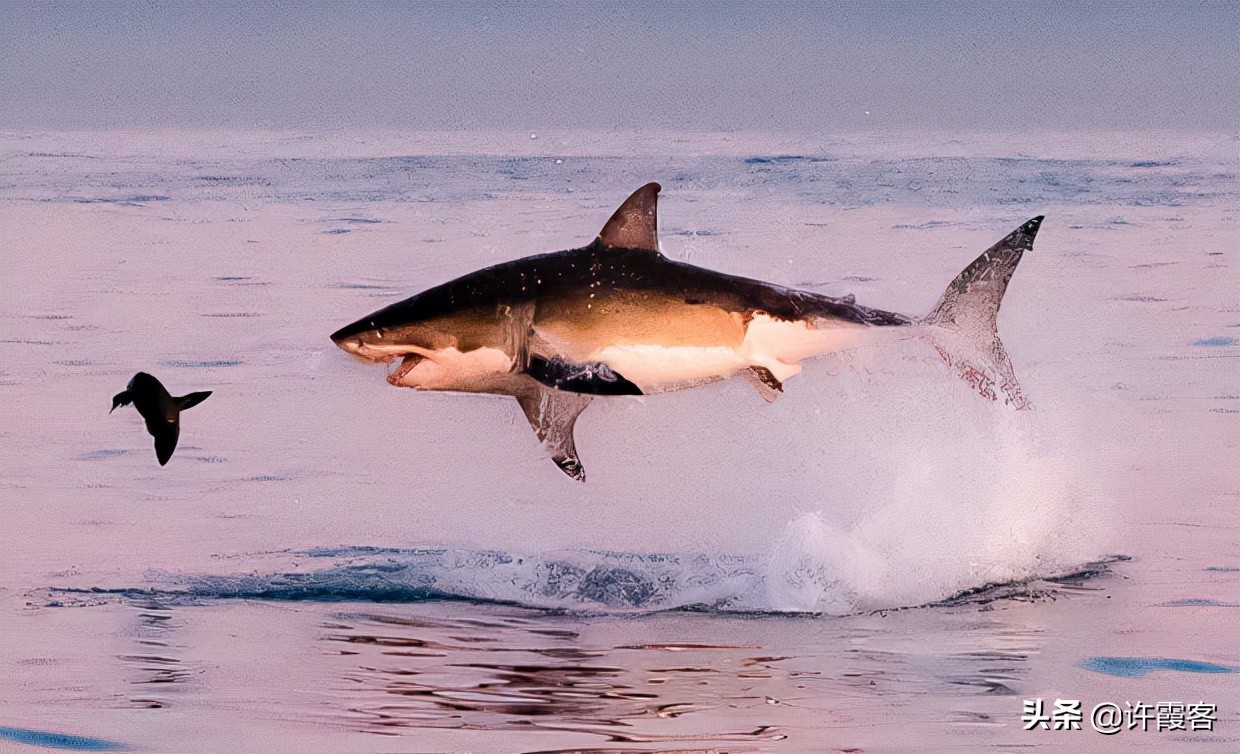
point(407, 365)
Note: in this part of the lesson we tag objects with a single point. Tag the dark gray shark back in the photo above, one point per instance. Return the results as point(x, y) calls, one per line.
point(576, 272)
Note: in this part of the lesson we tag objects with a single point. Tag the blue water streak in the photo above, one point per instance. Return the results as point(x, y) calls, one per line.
point(1198, 602)
point(191, 364)
point(50, 740)
point(1216, 341)
point(1137, 667)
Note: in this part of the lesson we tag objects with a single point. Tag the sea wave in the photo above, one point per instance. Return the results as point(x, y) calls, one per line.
point(583, 581)
point(825, 179)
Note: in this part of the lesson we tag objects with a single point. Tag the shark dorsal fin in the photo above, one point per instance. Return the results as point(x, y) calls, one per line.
point(635, 224)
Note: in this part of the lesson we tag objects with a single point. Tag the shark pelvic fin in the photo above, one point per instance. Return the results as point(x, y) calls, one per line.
point(635, 224)
point(552, 414)
point(765, 383)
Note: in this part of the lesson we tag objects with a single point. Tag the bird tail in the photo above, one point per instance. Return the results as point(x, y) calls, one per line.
point(191, 400)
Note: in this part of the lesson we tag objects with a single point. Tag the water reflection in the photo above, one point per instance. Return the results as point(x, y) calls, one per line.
point(414, 668)
point(514, 670)
point(464, 676)
point(155, 673)
point(653, 681)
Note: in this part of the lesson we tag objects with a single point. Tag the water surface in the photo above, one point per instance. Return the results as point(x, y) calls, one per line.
point(878, 561)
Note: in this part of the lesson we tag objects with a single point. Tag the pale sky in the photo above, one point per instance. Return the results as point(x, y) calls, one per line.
point(803, 67)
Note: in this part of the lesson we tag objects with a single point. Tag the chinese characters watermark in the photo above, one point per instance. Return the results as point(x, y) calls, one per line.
point(1108, 718)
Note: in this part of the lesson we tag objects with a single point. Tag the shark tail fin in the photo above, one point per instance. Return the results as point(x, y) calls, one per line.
point(963, 325)
point(191, 400)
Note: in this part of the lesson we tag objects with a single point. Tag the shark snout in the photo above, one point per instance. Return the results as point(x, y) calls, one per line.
point(360, 344)
point(350, 333)
point(374, 345)
point(362, 350)
point(353, 346)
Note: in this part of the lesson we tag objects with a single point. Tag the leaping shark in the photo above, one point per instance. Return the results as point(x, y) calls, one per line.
point(616, 317)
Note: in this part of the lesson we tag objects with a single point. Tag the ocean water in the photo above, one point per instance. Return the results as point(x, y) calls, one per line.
point(878, 561)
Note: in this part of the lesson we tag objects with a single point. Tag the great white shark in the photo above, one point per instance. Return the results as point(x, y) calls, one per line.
point(616, 317)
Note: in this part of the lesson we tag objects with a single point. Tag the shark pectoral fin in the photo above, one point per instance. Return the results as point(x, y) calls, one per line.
point(191, 400)
point(635, 224)
point(552, 414)
point(765, 383)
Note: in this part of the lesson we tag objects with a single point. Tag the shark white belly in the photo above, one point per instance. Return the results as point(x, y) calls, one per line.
point(659, 369)
point(775, 345)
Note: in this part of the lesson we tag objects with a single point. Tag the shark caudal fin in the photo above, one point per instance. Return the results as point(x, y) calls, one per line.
point(963, 326)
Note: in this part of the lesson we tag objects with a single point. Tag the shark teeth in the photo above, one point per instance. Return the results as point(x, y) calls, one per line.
point(406, 366)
